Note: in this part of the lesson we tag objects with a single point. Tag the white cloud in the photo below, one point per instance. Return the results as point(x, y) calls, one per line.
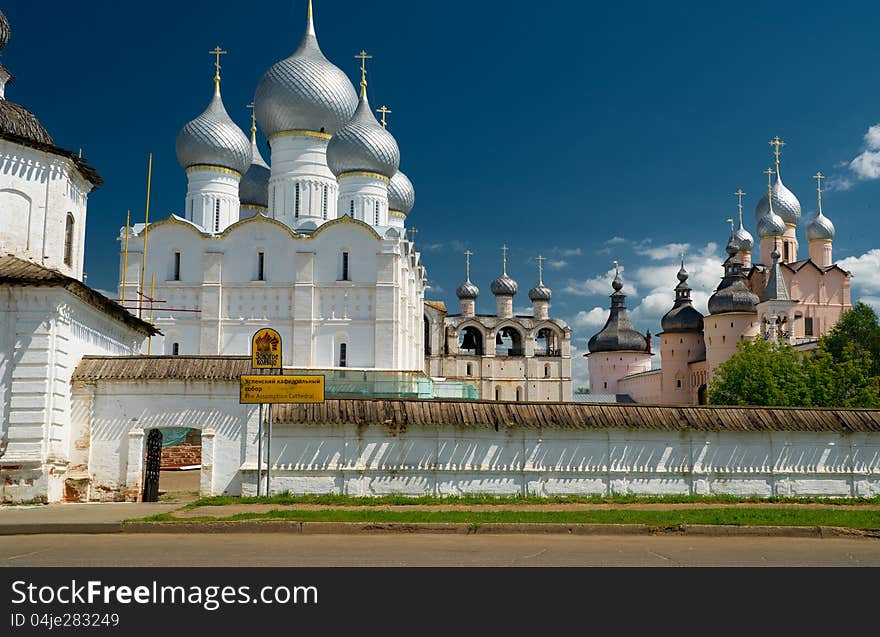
point(614, 240)
point(661, 253)
point(866, 272)
point(557, 264)
point(433, 247)
point(592, 320)
point(866, 165)
point(598, 285)
point(571, 252)
point(435, 289)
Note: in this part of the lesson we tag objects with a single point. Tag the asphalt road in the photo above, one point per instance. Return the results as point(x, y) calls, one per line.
point(429, 550)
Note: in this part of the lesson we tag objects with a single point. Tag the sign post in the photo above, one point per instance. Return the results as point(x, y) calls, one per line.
point(270, 389)
point(265, 354)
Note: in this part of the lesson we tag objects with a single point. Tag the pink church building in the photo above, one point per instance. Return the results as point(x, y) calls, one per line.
point(781, 298)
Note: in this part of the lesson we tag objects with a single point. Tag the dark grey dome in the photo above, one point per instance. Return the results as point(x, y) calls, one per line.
point(504, 286)
point(683, 317)
point(17, 120)
point(618, 335)
point(732, 295)
point(467, 290)
point(4, 31)
point(254, 187)
point(540, 293)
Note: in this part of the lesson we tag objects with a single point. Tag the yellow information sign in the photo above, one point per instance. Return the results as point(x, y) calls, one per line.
point(266, 349)
point(281, 389)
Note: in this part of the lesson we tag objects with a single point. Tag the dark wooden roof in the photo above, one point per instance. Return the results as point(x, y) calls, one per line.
point(401, 413)
point(576, 416)
point(15, 271)
point(224, 368)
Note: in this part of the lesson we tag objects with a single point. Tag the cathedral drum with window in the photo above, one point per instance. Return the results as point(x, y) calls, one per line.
point(312, 243)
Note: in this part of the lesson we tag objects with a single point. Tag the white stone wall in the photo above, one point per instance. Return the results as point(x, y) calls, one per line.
point(38, 191)
point(212, 197)
point(44, 333)
point(447, 460)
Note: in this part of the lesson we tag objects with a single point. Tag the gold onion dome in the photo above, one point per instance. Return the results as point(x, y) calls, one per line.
point(304, 92)
point(401, 194)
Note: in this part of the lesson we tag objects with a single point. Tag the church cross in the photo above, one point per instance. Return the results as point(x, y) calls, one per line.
point(778, 143)
point(467, 257)
point(504, 250)
point(217, 52)
point(253, 122)
point(385, 111)
point(739, 195)
point(363, 57)
point(819, 177)
point(412, 234)
point(769, 172)
point(540, 270)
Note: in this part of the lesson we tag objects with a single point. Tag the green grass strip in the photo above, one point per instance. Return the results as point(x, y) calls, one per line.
point(857, 519)
point(402, 500)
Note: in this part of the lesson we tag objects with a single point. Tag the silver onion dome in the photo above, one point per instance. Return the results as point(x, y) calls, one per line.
point(820, 228)
point(254, 187)
point(213, 139)
point(743, 239)
point(467, 290)
point(401, 194)
point(5, 31)
point(785, 204)
point(304, 92)
point(504, 286)
point(540, 293)
point(363, 145)
point(770, 225)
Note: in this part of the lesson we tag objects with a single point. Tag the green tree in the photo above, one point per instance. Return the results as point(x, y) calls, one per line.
point(760, 373)
point(858, 329)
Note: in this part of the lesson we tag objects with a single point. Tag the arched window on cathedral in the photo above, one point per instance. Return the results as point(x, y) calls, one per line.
point(470, 369)
point(351, 208)
point(343, 355)
point(519, 394)
point(427, 336)
point(296, 201)
point(324, 203)
point(376, 214)
point(217, 215)
point(497, 393)
point(546, 371)
point(68, 240)
point(175, 349)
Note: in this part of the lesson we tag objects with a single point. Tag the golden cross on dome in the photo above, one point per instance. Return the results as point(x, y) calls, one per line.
point(385, 111)
point(819, 177)
point(504, 250)
point(217, 52)
point(778, 143)
point(253, 122)
point(739, 195)
point(467, 258)
point(769, 172)
point(363, 57)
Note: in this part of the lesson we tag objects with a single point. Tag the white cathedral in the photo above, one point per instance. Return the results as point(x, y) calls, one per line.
point(313, 244)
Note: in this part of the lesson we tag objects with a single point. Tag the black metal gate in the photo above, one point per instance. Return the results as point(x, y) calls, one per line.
point(154, 462)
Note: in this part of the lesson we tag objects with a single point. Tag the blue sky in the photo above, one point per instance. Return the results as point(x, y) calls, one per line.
point(584, 131)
